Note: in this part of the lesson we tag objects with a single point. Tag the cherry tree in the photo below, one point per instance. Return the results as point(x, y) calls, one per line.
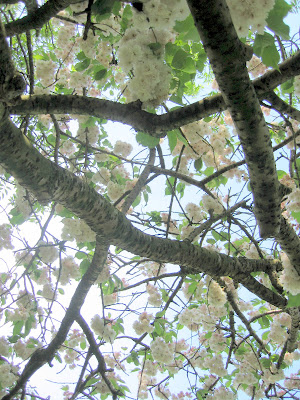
point(158, 258)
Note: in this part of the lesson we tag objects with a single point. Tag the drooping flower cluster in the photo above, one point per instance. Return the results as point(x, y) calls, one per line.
point(104, 330)
point(151, 268)
point(216, 295)
point(162, 351)
point(194, 212)
point(256, 66)
point(297, 85)
point(122, 148)
point(211, 205)
point(5, 237)
point(143, 324)
point(24, 349)
point(279, 328)
point(77, 229)
point(48, 252)
point(141, 50)
point(151, 76)
point(8, 375)
point(154, 295)
point(69, 270)
point(289, 279)
point(247, 14)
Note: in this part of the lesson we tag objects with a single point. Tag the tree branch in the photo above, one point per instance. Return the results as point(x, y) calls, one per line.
point(38, 18)
point(140, 120)
point(224, 49)
point(41, 356)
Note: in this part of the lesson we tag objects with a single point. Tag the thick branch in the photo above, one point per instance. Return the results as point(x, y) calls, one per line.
point(50, 182)
point(289, 242)
point(224, 51)
point(131, 114)
point(281, 106)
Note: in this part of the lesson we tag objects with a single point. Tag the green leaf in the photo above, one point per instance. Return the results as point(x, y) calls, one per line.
point(51, 139)
point(198, 164)
point(181, 138)
point(158, 328)
point(18, 327)
point(81, 66)
point(281, 174)
point(209, 171)
point(100, 74)
point(294, 301)
point(155, 47)
point(17, 219)
point(84, 266)
point(271, 57)
point(116, 8)
point(179, 59)
point(264, 47)
point(287, 87)
point(80, 255)
point(265, 335)
point(275, 19)
point(136, 201)
point(13, 339)
point(189, 66)
point(81, 56)
point(296, 215)
point(264, 322)
point(103, 6)
point(200, 63)
point(187, 29)
point(146, 140)
point(265, 362)
point(172, 138)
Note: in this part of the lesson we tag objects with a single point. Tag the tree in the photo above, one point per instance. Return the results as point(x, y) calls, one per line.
point(200, 287)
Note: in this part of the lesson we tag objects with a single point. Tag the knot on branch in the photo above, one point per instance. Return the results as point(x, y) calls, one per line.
point(12, 88)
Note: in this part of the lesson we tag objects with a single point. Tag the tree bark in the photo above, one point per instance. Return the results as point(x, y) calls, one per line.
point(225, 53)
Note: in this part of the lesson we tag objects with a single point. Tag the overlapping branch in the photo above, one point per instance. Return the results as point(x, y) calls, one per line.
point(38, 18)
point(43, 355)
point(131, 114)
point(50, 182)
point(225, 52)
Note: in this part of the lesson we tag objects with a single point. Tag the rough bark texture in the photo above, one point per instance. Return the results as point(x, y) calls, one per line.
point(289, 242)
point(50, 182)
point(155, 125)
point(212, 19)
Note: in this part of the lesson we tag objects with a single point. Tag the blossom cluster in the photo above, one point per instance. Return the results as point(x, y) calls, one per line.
point(143, 324)
point(154, 298)
point(141, 50)
point(104, 330)
point(77, 229)
point(48, 253)
point(211, 205)
point(162, 351)
point(68, 270)
point(249, 13)
point(289, 279)
point(152, 268)
point(5, 237)
point(24, 349)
